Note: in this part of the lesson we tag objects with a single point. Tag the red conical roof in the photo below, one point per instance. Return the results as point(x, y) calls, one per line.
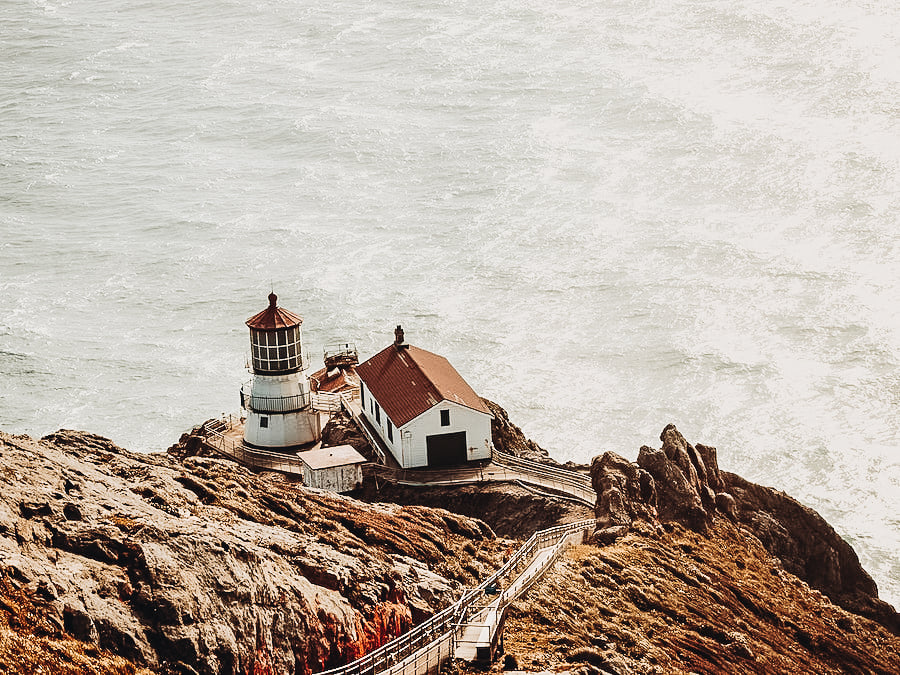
point(273, 317)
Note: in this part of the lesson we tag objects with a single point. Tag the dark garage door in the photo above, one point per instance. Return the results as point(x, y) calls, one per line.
point(446, 449)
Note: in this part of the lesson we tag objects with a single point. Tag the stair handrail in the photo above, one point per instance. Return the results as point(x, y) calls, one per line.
point(582, 486)
point(449, 618)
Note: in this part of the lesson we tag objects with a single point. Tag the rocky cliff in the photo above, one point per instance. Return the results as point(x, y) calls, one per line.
point(682, 483)
point(508, 438)
point(196, 565)
point(693, 570)
point(113, 562)
point(669, 600)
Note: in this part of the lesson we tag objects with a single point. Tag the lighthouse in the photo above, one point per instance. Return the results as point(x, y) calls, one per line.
point(279, 414)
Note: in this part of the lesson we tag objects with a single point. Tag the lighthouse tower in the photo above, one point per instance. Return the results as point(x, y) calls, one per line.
point(279, 416)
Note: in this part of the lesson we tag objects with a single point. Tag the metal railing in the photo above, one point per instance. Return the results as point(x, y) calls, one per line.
point(340, 354)
point(214, 437)
point(507, 596)
point(362, 424)
point(504, 468)
point(214, 432)
point(273, 404)
point(552, 536)
point(486, 619)
point(326, 401)
point(546, 475)
point(436, 629)
point(448, 476)
point(433, 641)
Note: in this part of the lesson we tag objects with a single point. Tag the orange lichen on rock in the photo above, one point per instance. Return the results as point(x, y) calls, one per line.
point(262, 658)
point(389, 620)
point(30, 644)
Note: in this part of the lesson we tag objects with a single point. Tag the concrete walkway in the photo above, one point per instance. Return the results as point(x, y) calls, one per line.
point(492, 471)
point(475, 638)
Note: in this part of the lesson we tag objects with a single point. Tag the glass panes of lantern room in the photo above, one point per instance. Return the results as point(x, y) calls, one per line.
point(275, 351)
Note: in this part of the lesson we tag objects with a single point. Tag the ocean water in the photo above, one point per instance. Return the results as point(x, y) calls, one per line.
point(608, 215)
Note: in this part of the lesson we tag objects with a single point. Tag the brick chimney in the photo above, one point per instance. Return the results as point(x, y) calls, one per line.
point(399, 342)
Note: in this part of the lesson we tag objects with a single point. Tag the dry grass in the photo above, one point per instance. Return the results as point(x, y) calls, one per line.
point(31, 645)
point(680, 602)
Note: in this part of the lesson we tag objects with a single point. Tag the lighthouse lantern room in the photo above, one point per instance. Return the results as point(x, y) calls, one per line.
point(279, 414)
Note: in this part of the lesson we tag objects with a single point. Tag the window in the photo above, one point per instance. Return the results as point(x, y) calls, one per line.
point(445, 418)
point(276, 351)
point(377, 413)
point(390, 431)
point(263, 422)
point(362, 397)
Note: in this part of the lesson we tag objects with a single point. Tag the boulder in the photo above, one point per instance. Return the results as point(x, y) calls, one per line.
point(624, 490)
point(669, 484)
point(607, 535)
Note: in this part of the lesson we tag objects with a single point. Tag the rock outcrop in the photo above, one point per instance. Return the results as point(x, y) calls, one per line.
point(625, 491)
point(186, 564)
point(681, 483)
point(31, 642)
point(199, 566)
point(508, 438)
point(669, 600)
point(342, 430)
point(808, 547)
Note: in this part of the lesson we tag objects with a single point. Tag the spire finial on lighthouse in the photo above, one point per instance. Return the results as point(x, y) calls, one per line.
point(272, 299)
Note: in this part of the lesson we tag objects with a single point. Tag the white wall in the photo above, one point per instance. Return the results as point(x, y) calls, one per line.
point(477, 426)
point(277, 386)
point(335, 479)
point(393, 446)
point(409, 446)
point(283, 431)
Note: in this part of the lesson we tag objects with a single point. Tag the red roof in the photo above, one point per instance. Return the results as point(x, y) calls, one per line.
point(334, 380)
point(409, 381)
point(273, 317)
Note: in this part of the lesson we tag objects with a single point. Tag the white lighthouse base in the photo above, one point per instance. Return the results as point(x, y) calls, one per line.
point(281, 431)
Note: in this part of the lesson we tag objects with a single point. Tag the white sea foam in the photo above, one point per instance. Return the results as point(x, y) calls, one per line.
point(609, 216)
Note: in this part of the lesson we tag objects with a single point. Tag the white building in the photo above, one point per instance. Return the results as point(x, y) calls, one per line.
point(279, 414)
point(338, 468)
point(424, 411)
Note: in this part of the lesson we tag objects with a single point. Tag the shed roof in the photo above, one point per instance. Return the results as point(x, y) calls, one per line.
point(407, 381)
point(326, 458)
point(273, 317)
point(335, 379)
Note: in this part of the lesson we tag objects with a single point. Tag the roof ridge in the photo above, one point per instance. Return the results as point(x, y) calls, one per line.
point(439, 394)
point(410, 380)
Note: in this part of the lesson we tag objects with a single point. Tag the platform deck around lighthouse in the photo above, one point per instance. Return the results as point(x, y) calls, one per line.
point(235, 432)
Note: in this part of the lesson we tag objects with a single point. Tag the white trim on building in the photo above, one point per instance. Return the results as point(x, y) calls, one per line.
point(444, 422)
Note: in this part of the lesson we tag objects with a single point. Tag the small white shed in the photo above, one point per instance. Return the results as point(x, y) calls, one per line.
point(338, 469)
point(424, 411)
